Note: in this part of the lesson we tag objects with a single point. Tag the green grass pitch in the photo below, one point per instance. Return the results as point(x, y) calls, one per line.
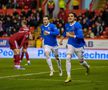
point(36, 76)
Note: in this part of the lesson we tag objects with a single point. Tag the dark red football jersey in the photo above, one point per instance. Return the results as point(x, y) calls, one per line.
point(17, 39)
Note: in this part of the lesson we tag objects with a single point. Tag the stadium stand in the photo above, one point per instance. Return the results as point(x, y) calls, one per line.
point(94, 22)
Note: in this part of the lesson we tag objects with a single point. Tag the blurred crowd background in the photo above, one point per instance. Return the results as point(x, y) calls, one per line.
point(12, 12)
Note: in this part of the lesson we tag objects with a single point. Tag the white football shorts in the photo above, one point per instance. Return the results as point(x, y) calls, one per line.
point(78, 51)
point(54, 49)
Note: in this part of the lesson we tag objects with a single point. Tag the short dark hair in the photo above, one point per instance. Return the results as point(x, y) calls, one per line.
point(46, 16)
point(73, 14)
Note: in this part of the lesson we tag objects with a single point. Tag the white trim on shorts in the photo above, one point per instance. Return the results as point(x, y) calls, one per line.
point(16, 44)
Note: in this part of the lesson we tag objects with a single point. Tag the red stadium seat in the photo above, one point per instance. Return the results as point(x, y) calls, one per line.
point(106, 29)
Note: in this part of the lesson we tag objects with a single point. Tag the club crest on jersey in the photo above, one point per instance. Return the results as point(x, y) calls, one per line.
point(49, 28)
point(73, 28)
point(55, 28)
point(67, 28)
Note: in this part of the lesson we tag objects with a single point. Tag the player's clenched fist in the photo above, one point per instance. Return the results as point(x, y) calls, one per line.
point(46, 33)
point(70, 34)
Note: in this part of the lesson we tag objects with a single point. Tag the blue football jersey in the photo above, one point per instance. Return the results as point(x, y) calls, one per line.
point(49, 39)
point(78, 40)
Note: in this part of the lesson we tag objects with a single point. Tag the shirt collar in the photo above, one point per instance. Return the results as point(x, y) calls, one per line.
point(72, 23)
point(47, 25)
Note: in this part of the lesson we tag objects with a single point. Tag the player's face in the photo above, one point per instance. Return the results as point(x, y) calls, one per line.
point(45, 21)
point(71, 18)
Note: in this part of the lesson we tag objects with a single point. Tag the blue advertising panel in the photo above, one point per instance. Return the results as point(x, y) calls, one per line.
point(39, 53)
point(4, 43)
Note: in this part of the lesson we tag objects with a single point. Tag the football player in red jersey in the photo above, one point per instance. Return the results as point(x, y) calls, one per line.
point(24, 48)
point(17, 40)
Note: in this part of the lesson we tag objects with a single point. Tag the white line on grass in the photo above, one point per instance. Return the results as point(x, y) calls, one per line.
point(56, 80)
point(30, 74)
point(40, 73)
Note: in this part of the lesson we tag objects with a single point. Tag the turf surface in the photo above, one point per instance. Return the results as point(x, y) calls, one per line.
point(36, 76)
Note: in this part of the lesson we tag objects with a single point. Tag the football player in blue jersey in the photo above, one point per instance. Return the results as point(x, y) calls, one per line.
point(49, 33)
point(76, 43)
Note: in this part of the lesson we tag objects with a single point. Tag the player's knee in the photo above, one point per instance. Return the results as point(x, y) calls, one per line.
point(56, 56)
point(68, 57)
point(81, 61)
point(16, 51)
point(47, 54)
point(24, 50)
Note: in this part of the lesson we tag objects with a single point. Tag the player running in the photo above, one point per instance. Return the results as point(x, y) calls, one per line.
point(16, 41)
point(49, 32)
point(73, 30)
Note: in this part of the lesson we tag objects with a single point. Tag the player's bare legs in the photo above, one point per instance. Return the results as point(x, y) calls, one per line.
point(24, 51)
point(49, 62)
point(59, 65)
